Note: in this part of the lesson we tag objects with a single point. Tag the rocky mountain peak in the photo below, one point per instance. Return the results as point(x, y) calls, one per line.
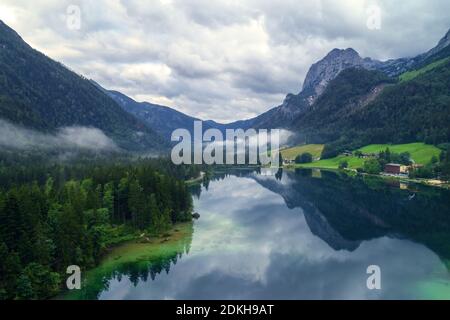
point(336, 53)
point(322, 72)
point(317, 79)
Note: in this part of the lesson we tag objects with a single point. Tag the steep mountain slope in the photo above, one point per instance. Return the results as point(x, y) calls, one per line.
point(322, 72)
point(362, 107)
point(297, 106)
point(443, 44)
point(318, 115)
point(345, 95)
point(418, 109)
point(363, 104)
point(162, 119)
point(317, 79)
point(278, 117)
point(42, 94)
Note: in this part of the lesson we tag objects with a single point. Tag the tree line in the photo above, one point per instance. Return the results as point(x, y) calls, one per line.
point(71, 214)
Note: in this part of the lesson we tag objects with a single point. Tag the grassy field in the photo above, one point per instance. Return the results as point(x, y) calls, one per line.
point(333, 163)
point(415, 73)
point(133, 255)
point(420, 152)
point(292, 153)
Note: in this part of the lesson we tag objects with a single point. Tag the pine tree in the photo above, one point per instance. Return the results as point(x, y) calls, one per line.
point(122, 200)
point(155, 213)
point(10, 268)
point(24, 289)
point(108, 199)
point(10, 224)
point(136, 203)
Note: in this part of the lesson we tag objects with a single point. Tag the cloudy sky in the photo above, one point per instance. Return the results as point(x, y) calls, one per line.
point(221, 60)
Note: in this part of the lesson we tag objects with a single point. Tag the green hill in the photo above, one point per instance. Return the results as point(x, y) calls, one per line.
point(292, 153)
point(421, 153)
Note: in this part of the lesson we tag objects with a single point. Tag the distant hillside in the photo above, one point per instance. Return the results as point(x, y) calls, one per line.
point(162, 119)
point(39, 93)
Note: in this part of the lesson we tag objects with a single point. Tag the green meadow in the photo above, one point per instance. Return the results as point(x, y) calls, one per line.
point(333, 163)
point(292, 153)
point(420, 153)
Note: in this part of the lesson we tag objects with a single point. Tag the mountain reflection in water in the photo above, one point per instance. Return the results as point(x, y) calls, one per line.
point(298, 235)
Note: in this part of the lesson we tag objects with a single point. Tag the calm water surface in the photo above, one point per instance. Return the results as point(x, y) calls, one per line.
point(299, 235)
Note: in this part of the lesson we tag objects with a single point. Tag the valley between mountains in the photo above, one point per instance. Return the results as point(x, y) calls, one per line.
point(85, 180)
point(346, 101)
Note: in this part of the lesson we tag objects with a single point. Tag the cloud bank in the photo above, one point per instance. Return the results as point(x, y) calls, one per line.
point(12, 136)
point(224, 59)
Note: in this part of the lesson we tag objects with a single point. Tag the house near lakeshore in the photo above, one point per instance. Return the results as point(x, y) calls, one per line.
point(395, 168)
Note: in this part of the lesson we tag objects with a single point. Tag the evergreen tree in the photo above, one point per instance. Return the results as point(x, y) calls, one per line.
point(108, 199)
point(136, 203)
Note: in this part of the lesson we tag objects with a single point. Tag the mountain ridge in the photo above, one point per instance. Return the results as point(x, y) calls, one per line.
point(295, 106)
point(39, 92)
point(316, 81)
point(325, 70)
point(42, 94)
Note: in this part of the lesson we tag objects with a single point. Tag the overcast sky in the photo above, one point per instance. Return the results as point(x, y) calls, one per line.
point(217, 59)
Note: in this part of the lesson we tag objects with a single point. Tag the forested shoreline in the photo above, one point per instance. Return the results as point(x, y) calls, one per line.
point(56, 215)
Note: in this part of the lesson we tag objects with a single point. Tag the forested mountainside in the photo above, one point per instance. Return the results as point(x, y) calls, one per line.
point(162, 119)
point(345, 95)
point(37, 92)
point(362, 107)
